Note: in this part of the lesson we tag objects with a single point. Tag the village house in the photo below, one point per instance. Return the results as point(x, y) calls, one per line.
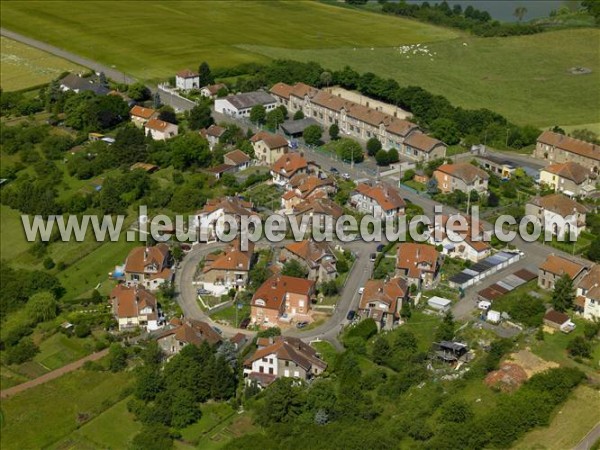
point(561, 215)
point(588, 294)
point(213, 134)
point(228, 270)
point(305, 187)
point(140, 115)
point(218, 171)
point(319, 211)
point(463, 177)
point(77, 83)
point(282, 299)
point(556, 320)
point(382, 300)
point(497, 165)
point(187, 332)
point(212, 90)
point(286, 167)
point(460, 242)
point(148, 266)
point(555, 267)
point(359, 121)
point(240, 105)
point(558, 148)
point(268, 147)
point(418, 263)
point(569, 178)
point(282, 356)
point(381, 201)
point(316, 257)
point(208, 221)
point(134, 307)
point(160, 130)
point(187, 80)
point(237, 159)
point(239, 341)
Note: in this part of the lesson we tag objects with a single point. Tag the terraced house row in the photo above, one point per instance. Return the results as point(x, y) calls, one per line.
point(359, 121)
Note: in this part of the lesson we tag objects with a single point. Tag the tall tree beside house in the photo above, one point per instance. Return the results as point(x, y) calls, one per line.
point(167, 113)
point(312, 135)
point(200, 117)
point(298, 115)
point(41, 307)
point(139, 92)
point(373, 146)
point(381, 157)
point(349, 150)
point(445, 331)
point(258, 114)
point(205, 74)
point(593, 252)
point(274, 118)
point(156, 101)
point(564, 293)
point(293, 268)
point(334, 132)
point(326, 78)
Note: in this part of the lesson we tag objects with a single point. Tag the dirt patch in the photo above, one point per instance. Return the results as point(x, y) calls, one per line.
point(508, 378)
point(580, 70)
point(531, 363)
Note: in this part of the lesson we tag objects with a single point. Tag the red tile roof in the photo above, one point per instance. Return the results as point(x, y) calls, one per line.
point(416, 258)
point(464, 171)
point(289, 349)
point(556, 317)
point(129, 301)
point(273, 291)
point(186, 73)
point(559, 266)
point(569, 170)
point(158, 125)
point(140, 111)
point(237, 157)
point(324, 206)
point(386, 197)
point(421, 141)
point(141, 257)
point(290, 163)
point(271, 140)
point(570, 144)
point(559, 204)
point(387, 292)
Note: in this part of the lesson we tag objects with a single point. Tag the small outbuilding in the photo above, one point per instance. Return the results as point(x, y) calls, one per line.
point(439, 304)
point(494, 316)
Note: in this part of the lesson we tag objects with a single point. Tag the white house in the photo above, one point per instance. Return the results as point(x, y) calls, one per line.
point(160, 130)
point(559, 213)
point(208, 220)
point(239, 105)
point(588, 294)
point(459, 241)
point(186, 80)
point(380, 201)
point(133, 307)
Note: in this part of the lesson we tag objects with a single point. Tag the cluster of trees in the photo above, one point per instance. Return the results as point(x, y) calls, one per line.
point(477, 21)
point(171, 395)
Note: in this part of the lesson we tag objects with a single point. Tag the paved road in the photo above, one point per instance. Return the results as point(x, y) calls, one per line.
point(590, 439)
point(52, 375)
point(110, 71)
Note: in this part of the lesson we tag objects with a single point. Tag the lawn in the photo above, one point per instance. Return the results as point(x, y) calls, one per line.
point(59, 350)
point(525, 78)
point(24, 67)
point(119, 35)
point(13, 240)
point(111, 429)
point(47, 413)
point(213, 414)
point(571, 422)
point(229, 314)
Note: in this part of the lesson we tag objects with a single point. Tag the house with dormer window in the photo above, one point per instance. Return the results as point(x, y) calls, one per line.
point(148, 266)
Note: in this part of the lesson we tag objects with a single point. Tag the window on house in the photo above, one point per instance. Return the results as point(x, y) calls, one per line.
point(261, 369)
point(271, 370)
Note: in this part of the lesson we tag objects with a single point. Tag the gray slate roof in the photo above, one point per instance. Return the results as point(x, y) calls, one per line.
point(250, 99)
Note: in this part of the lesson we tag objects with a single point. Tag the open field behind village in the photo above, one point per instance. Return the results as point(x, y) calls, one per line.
point(526, 78)
point(24, 66)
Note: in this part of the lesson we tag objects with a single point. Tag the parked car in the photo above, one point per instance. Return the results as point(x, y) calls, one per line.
point(203, 291)
point(244, 323)
point(380, 248)
point(373, 257)
point(301, 324)
point(351, 314)
point(218, 330)
point(361, 290)
point(346, 176)
point(408, 201)
point(334, 170)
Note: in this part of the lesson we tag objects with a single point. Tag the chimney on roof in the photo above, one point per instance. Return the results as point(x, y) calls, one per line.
point(146, 250)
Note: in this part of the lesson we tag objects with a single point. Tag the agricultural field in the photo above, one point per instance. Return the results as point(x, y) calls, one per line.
point(24, 67)
point(119, 35)
point(57, 408)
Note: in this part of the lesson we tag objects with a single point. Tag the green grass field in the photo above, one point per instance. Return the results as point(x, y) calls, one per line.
point(189, 32)
point(41, 416)
point(24, 66)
